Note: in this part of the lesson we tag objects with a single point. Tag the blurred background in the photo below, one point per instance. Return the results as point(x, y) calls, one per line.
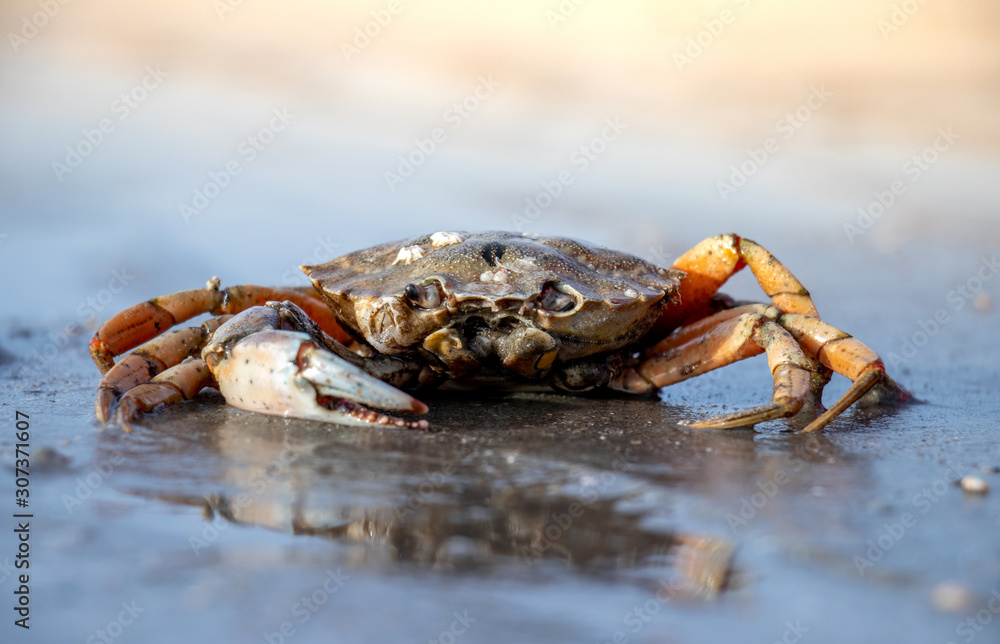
point(147, 146)
point(773, 118)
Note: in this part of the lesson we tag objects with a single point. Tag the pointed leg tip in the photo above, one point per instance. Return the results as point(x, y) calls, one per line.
point(713, 423)
point(812, 427)
point(127, 414)
point(747, 418)
point(104, 404)
point(861, 385)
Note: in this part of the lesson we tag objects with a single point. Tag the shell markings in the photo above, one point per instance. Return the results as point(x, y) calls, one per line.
point(493, 252)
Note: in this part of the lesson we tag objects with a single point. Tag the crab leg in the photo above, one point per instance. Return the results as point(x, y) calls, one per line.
point(144, 321)
point(154, 357)
point(723, 337)
point(709, 264)
point(820, 373)
point(689, 332)
point(692, 323)
point(180, 382)
point(722, 340)
point(847, 356)
point(265, 368)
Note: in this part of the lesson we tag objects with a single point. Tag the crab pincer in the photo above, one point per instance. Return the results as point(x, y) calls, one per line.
point(287, 373)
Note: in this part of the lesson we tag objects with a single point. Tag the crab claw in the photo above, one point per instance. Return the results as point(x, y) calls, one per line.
point(285, 373)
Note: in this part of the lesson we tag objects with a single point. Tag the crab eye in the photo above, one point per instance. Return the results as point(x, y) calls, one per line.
point(426, 297)
point(554, 298)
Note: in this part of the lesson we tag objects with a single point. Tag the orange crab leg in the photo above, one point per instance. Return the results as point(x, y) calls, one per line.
point(144, 321)
point(698, 328)
point(844, 354)
point(709, 264)
point(727, 340)
point(154, 357)
point(725, 337)
point(180, 382)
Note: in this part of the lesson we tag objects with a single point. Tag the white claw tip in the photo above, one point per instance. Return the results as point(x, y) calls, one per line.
point(408, 254)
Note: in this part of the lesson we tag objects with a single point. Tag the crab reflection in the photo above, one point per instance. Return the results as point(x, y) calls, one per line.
point(459, 501)
point(485, 529)
point(513, 500)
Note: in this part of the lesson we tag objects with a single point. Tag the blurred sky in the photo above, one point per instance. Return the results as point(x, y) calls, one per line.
point(697, 88)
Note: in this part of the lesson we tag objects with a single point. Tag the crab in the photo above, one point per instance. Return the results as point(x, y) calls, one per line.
point(497, 310)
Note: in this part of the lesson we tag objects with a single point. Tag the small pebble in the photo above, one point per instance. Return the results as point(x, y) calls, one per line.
point(879, 506)
point(953, 597)
point(46, 459)
point(974, 485)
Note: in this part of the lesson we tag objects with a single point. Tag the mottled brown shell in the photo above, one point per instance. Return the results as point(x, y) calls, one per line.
point(617, 296)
